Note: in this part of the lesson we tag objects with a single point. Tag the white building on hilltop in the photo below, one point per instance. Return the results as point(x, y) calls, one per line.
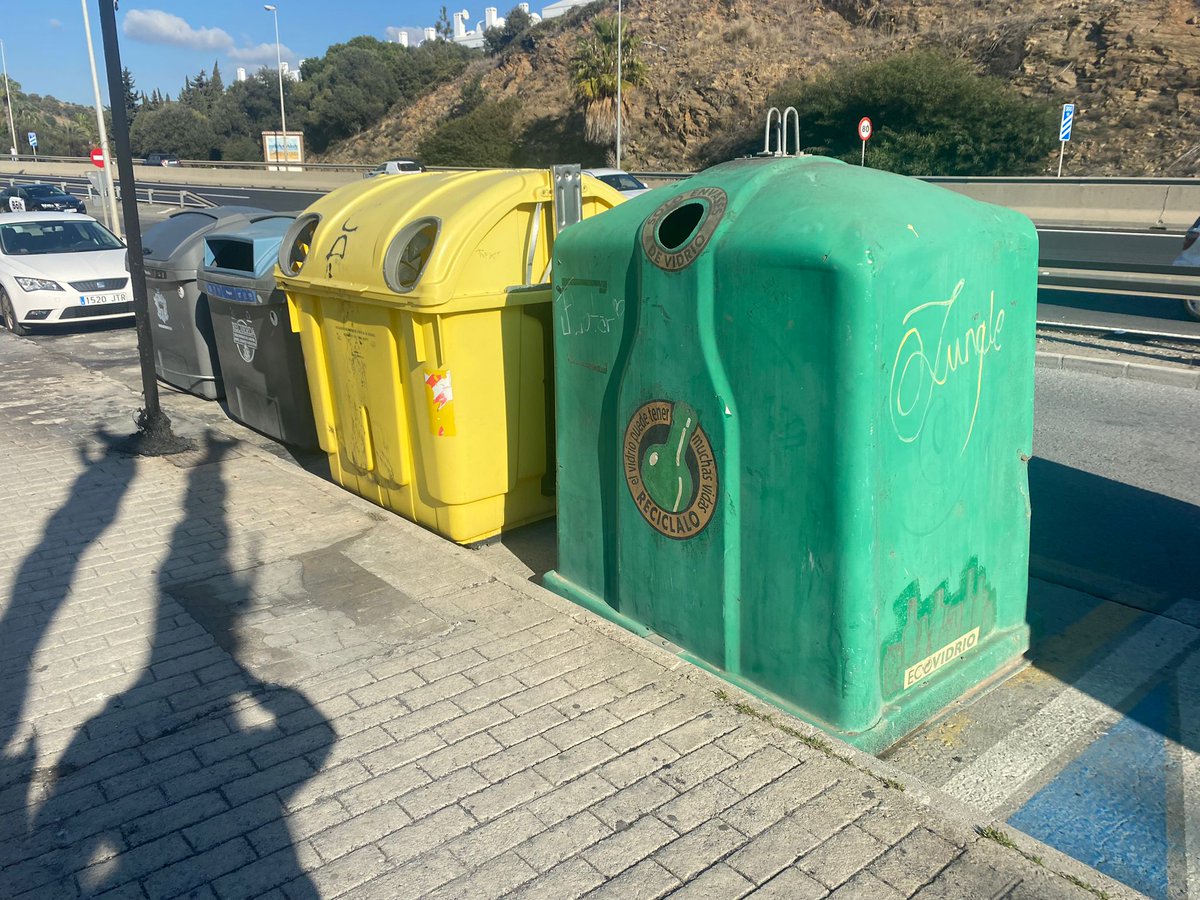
point(562, 7)
point(474, 38)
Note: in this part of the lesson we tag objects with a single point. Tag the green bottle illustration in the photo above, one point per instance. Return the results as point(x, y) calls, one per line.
point(664, 466)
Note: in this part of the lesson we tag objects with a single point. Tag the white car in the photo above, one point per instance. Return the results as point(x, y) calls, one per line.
point(396, 167)
point(621, 181)
point(56, 269)
point(1190, 256)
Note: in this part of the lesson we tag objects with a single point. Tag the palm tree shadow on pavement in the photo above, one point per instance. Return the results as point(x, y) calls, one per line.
point(183, 779)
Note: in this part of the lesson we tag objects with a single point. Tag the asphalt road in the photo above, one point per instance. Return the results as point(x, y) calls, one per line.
point(274, 200)
point(1129, 249)
point(1114, 484)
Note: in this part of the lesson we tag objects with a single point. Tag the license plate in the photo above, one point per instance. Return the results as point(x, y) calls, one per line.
point(96, 299)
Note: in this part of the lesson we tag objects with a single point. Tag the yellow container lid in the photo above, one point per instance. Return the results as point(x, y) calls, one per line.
point(431, 239)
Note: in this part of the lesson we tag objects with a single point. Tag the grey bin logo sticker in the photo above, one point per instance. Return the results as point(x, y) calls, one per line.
point(160, 306)
point(245, 338)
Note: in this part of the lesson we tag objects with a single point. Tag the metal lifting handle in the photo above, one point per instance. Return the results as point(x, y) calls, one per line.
point(772, 113)
point(795, 131)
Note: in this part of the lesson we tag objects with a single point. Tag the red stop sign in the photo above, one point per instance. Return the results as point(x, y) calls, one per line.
point(98, 157)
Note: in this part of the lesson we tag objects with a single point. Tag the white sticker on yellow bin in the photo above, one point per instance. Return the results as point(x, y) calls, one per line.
point(440, 396)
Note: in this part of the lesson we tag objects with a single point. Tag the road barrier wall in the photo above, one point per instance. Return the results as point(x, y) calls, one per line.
point(1171, 204)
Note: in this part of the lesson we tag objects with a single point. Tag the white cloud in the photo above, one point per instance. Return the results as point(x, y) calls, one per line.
point(56, 23)
point(262, 55)
point(153, 26)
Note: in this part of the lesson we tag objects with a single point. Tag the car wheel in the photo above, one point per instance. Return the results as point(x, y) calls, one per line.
point(10, 316)
point(1192, 308)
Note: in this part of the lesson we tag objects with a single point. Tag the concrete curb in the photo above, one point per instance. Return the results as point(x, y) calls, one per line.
point(1115, 368)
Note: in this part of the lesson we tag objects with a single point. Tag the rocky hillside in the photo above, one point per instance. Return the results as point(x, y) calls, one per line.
point(1132, 68)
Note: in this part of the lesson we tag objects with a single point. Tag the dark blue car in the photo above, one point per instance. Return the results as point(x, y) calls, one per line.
point(39, 198)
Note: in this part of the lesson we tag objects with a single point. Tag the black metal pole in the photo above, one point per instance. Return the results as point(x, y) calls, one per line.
point(151, 419)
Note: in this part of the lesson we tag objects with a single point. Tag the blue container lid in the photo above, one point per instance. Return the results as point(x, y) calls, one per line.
point(249, 252)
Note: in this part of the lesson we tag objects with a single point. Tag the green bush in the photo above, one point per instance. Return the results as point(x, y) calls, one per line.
point(932, 115)
point(483, 137)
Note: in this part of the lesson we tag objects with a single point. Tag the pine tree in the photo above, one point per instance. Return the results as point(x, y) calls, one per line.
point(131, 94)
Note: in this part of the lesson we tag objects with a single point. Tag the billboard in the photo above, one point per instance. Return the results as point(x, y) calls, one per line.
point(283, 148)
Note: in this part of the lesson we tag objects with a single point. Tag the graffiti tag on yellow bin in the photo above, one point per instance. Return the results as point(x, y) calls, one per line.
point(439, 395)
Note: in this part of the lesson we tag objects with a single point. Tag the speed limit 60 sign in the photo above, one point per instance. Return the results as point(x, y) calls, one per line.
point(864, 128)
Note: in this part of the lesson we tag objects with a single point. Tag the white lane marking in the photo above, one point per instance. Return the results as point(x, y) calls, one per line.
point(1188, 692)
point(1001, 771)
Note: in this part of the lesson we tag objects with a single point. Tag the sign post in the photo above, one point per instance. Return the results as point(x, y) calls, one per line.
point(1064, 132)
point(864, 132)
point(33, 144)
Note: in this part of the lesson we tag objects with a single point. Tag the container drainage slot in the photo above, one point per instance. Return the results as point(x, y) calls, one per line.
point(678, 226)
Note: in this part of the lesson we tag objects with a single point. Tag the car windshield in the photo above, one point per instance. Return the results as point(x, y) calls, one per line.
point(33, 238)
point(44, 190)
point(623, 181)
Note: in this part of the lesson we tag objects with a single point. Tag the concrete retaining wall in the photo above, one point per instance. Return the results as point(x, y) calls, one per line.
point(1152, 203)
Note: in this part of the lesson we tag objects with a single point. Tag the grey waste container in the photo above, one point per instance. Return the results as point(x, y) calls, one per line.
point(184, 353)
point(261, 362)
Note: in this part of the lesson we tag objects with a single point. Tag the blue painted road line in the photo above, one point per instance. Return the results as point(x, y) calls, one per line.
point(1109, 807)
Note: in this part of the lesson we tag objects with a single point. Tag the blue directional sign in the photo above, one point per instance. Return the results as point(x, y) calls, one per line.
point(33, 139)
point(1068, 116)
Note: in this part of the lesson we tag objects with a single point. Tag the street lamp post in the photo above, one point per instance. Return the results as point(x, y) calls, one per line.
point(110, 209)
point(279, 70)
point(618, 84)
point(153, 423)
point(8, 99)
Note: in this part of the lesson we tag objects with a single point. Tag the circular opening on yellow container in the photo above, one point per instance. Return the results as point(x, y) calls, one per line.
point(409, 253)
point(297, 244)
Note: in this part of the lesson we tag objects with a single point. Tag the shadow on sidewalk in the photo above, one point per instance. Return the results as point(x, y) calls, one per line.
point(42, 584)
point(184, 779)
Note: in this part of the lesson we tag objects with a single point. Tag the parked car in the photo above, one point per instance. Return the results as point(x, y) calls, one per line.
point(37, 198)
point(56, 268)
point(621, 181)
point(162, 159)
point(1189, 255)
point(396, 167)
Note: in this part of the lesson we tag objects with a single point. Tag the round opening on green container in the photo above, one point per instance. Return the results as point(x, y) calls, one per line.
point(681, 224)
point(297, 243)
point(408, 254)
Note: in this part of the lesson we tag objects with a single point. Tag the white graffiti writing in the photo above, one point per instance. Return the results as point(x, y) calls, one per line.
point(919, 372)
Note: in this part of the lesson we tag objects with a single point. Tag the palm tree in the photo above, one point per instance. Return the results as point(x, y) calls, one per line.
point(594, 68)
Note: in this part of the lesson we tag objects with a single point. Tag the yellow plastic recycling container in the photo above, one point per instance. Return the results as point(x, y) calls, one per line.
point(423, 308)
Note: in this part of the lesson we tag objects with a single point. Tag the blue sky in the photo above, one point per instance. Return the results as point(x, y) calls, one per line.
point(164, 41)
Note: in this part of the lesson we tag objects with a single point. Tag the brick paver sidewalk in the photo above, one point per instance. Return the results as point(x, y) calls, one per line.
point(225, 677)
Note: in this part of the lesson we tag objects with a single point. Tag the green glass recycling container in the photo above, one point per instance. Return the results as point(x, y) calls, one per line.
point(794, 411)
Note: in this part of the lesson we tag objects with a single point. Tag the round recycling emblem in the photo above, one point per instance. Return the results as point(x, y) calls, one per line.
point(670, 469)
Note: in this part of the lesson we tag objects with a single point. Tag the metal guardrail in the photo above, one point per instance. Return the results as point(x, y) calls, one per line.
point(168, 197)
point(1124, 281)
